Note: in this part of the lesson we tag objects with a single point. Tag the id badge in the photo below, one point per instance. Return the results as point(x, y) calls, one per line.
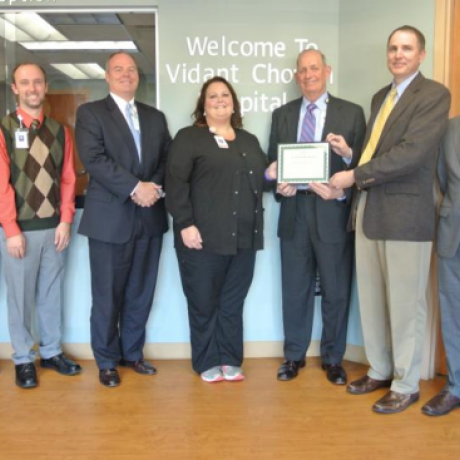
point(221, 142)
point(21, 138)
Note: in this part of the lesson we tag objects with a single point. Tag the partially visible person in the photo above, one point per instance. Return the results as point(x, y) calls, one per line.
point(312, 224)
point(215, 182)
point(448, 251)
point(123, 144)
point(37, 206)
point(395, 221)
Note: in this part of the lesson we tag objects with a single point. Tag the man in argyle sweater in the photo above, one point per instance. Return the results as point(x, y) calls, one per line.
point(37, 205)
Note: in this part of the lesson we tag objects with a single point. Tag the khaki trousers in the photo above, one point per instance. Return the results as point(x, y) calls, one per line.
point(392, 277)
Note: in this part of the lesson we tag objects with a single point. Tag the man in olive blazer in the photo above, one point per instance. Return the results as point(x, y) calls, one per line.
point(313, 223)
point(395, 220)
point(448, 251)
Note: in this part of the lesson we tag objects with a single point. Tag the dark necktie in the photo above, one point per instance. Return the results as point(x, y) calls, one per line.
point(35, 125)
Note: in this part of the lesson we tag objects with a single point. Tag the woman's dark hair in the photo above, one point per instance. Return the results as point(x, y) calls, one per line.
point(200, 120)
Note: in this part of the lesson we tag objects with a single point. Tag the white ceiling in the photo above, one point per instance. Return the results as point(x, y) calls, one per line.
point(139, 28)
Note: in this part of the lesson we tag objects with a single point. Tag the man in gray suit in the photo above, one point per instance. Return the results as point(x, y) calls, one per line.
point(312, 223)
point(395, 221)
point(448, 250)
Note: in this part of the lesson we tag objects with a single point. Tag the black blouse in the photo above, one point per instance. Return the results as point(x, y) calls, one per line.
point(219, 190)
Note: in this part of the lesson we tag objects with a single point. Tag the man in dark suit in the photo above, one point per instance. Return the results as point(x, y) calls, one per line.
point(312, 222)
point(448, 251)
point(123, 145)
point(395, 221)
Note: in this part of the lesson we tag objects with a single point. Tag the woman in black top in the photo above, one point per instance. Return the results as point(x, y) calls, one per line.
point(215, 181)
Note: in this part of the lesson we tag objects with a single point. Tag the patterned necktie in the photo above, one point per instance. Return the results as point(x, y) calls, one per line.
point(308, 132)
point(131, 114)
point(309, 125)
point(377, 129)
point(35, 125)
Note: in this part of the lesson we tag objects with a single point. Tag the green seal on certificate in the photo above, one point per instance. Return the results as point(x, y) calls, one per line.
point(303, 163)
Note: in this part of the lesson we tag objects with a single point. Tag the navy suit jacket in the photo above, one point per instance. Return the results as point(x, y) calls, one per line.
point(107, 149)
point(342, 117)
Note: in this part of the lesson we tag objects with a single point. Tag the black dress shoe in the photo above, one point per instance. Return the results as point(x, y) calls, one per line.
point(335, 373)
point(141, 366)
point(26, 375)
point(61, 364)
point(109, 377)
point(289, 370)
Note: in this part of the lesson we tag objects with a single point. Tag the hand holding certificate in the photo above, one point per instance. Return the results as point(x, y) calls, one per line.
point(303, 163)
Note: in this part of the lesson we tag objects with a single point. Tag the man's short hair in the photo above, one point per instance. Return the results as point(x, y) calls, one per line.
point(415, 31)
point(323, 57)
point(116, 54)
point(22, 64)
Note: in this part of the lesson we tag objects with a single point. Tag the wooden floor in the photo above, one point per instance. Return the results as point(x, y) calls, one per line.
point(174, 415)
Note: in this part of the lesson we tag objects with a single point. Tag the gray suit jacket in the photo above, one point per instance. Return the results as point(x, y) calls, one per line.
point(448, 230)
point(108, 151)
point(400, 177)
point(342, 117)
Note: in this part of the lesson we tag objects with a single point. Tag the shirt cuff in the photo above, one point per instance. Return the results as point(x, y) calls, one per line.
point(11, 229)
point(347, 161)
point(267, 177)
point(135, 188)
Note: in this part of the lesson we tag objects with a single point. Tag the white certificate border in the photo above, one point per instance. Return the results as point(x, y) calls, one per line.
point(304, 180)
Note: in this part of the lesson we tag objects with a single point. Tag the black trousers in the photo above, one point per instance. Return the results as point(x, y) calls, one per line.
point(301, 258)
point(123, 279)
point(215, 287)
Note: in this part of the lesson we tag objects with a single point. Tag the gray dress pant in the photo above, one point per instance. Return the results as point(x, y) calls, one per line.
point(35, 280)
point(449, 301)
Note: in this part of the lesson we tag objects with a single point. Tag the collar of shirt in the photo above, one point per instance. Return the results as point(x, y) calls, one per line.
point(319, 113)
point(403, 85)
point(122, 103)
point(28, 119)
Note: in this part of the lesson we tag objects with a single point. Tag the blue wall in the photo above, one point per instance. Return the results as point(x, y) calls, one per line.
point(352, 34)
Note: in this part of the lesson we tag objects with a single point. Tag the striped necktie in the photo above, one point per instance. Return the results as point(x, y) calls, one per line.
point(309, 125)
point(377, 129)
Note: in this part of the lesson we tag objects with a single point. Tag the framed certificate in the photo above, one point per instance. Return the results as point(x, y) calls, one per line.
point(303, 163)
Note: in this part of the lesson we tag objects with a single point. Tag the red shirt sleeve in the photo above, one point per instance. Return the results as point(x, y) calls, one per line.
point(68, 180)
point(8, 214)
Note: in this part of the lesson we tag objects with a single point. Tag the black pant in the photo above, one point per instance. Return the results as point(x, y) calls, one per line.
point(123, 279)
point(301, 257)
point(215, 287)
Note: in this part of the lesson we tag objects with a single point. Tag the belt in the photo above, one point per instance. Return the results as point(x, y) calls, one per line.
point(305, 192)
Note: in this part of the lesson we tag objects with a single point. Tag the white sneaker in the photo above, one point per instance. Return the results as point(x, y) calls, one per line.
point(232, 373)
point(212, 375)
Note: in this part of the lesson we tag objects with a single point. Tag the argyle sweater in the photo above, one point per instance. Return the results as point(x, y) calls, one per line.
point(35, 173)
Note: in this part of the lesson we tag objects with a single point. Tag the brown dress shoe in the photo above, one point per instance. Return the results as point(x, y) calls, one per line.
point(366, 385)
point(441, 404)
point(394, 402)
